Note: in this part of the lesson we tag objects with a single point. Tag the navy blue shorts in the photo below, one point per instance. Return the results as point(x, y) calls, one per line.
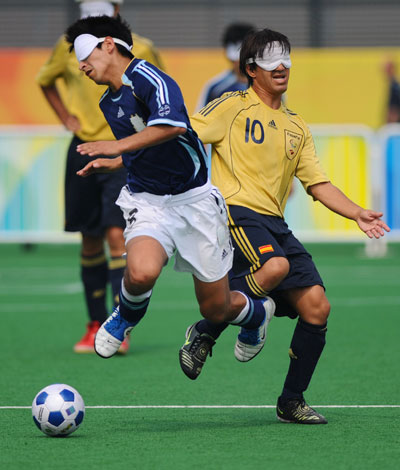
point(257, 238)
point(90, 202)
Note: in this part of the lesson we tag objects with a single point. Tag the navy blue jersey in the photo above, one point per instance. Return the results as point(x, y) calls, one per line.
point(149, 97)
point(222, 83)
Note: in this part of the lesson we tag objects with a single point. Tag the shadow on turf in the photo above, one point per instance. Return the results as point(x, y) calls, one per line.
point(57, 438)
point(195, 422)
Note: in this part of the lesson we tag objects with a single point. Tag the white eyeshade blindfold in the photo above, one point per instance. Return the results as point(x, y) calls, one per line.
point(232, 51)
point(85, 44)
point(96, 9)
point(272, 58)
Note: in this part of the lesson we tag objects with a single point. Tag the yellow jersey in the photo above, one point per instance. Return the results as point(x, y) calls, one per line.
point(257, 151)
point(81, 95)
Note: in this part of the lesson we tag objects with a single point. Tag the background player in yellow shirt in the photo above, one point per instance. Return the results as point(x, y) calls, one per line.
point(90, 203)
point(258, 146)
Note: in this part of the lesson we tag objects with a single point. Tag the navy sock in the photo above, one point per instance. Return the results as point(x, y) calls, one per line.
point(116, 268)
point(212, 329)
point(305, 350)
point(251, 320)
point(130, 309)
point(94, 273)
point(253, 317)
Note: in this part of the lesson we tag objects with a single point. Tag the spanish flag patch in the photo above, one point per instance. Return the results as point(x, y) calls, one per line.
point(265, 249)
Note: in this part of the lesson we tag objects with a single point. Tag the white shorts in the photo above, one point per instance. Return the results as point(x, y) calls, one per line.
point(193, 225)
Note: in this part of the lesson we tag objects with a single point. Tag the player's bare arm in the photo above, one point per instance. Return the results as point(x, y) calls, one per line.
point(368, 221)
point(54, 99)
point(152, 135)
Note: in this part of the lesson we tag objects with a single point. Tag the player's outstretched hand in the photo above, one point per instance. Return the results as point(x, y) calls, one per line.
point(370, 222)
point(101, 147)
point(101, 165)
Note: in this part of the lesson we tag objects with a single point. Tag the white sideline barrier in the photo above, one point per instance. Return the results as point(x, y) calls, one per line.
point(32, 160)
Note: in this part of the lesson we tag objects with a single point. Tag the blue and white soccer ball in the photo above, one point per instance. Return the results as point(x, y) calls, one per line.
point(58, 410)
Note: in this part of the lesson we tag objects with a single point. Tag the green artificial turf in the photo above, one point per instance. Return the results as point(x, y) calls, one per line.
point(42, 315)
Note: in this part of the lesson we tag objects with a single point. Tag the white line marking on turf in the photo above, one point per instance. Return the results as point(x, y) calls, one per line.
point(43, 289)
point(127, 407)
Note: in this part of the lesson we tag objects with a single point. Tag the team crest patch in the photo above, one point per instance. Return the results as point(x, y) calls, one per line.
point(265, 249)
point(164, 110)
point(292, 143)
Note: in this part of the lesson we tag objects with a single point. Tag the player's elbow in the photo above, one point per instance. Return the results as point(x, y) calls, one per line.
point(180, 130)
point(169, 132)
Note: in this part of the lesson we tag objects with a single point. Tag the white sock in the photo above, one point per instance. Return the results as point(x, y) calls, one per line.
point(242, 313)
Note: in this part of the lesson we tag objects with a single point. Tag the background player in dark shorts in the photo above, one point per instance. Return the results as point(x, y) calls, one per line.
point(91, 210)
point(90, 204)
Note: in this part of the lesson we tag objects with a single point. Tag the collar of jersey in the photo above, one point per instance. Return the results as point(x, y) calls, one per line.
point(254, 96)
point(115, 95)
point(127, 67)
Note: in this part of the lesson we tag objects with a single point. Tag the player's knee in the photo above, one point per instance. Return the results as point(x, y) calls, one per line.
point(137, 280)
point(318, 311)
point(325, 310)
point(274, 272)
point(115, 240)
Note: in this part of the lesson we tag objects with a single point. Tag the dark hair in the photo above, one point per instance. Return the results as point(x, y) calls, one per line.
point(102, 26)
point(254, 44)
point(236, 32)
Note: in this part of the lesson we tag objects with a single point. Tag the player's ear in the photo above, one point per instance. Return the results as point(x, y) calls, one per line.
point(250, 71)
point(109, 44)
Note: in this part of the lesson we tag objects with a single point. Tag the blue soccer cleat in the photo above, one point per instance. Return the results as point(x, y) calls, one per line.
point(250, 342)
point(111, 334)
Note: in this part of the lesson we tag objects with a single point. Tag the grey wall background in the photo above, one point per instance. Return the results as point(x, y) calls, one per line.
point(199, 23)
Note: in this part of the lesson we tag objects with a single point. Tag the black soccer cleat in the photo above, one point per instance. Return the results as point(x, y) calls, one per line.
point(194, 352)
point(297, 411)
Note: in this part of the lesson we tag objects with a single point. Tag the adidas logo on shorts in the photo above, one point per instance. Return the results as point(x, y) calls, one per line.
point(224, 254)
